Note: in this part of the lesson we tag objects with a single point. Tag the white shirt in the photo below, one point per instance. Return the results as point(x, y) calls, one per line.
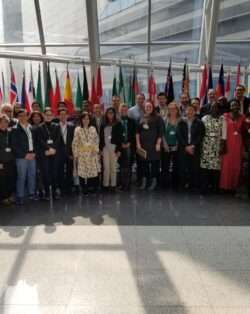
point(27, 130)
point(63, 127)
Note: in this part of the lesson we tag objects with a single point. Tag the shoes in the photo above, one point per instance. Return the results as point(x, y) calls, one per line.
point(57, 195)
point(153, 185)
point(143, 184)
point(19, 202)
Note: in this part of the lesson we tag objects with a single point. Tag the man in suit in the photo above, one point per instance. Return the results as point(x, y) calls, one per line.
point(23, 147)
point(97, 118)
point(211, 99)
point(48, 141)
point(65, 154)
point(190, 133)
point(244, 101)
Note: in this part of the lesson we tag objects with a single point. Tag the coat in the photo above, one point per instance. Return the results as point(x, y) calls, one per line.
point(85, 148)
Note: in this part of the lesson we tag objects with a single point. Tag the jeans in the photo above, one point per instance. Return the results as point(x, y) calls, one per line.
point(26, 174)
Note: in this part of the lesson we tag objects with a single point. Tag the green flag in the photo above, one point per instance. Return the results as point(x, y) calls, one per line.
point(39, 89)
point(114, 88)
point(49, 89)
point(79, 98)
point(129, 90)
point(121, 86)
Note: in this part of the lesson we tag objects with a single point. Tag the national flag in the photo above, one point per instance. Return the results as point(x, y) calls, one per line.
point(210, 83)
point(57, 96)
point(3, 87)
point(228, 86)
point(32, 93)
point(49, 89)
point(39, 97)
point(238, 77)
point(169, 86)
point(99, 91)
point(13, 96)
point(68, 94)
point(220, 88)
point(152, 88)
point(129, 90)
point(24, 98)
point(135, 86)
point(1, 96)
point(185, 80)
point(85, 90)
point(121, 89)
point(94, 97)
point(79, 97)
point(203, 85)
point(114, 87)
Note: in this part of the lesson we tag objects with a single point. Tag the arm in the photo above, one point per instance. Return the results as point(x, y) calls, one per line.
point(76, 143)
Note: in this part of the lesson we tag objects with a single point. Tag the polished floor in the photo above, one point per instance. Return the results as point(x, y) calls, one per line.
point(129, 253)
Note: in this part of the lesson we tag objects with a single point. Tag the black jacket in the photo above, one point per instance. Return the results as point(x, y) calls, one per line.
point(197, 134)
point(67, 148)
point(94, 123)
point(20, 142)
point(5, 142)
point(45, 132)
point(116, 136)
point(131, 132)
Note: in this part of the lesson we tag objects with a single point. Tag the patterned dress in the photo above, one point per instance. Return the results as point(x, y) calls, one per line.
point(85, 150)
point(210, 156)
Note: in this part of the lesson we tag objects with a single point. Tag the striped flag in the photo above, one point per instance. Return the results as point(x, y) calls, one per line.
point(32, 93)
point(25, 99)
point(228, 86)
point(1, 96)
point(13, 96)
point(220, 88)
point(203, 87)
point(68, 94)
point(152, 88)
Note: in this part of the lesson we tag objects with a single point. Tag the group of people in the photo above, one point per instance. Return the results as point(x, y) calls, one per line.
point(183, 146)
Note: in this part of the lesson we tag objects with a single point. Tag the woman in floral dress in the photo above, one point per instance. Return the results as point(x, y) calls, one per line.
point(86, 154)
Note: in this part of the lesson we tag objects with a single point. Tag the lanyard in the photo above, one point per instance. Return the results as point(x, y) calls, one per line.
point(48, 131)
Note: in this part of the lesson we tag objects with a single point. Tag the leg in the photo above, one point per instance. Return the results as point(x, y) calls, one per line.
point(113, 168)
point(106, 167)
point(21, 178)
point(31, 177)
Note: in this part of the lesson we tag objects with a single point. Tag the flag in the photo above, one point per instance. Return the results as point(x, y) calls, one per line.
point(49, 89)
point(185, 80)
point(129, 90)
point(13, 89)
point(57, 96)
point(210, 84)
point(68, 94)
point(169, 86)
point(1, 96)
point(24, 99)
point(152, 88)
point(238, 76)
point(32, 93)
point(94, 98)
point(228, 86)
point(220, 88)
point(203, 86)
point(121, 89)
point(85, 91)
point(99, 91)
point(39, 89)
point(135, 87)
point(79, 96)
point(3, 87)
point(114, 87)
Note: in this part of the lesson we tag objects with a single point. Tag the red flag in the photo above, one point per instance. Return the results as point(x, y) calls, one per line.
point(57, 96)
point(1, 96)
point(24, 99)
point(99, 91)
point(203, 87)
point(238, 75)
point(220, 88)
point(94, 98)
point(68, 94)
point(228, 86)
point(13, 88)
point(151, 88)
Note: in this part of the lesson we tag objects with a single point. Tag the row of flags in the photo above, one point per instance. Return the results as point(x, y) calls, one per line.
point(126, 89)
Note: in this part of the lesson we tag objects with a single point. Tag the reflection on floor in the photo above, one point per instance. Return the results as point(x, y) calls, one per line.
point(126, 253)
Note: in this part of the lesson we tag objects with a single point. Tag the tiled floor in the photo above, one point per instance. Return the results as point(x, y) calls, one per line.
point(126, 254)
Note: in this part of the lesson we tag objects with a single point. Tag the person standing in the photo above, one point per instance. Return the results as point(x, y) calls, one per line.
point(148, 139)
point(242, 99)
point(212, 149)
point(48, 141)
point(190, 133)
point(211, 98)
point(111, 139)
point(7, 165)
point(97, 117)
point(65, 154)
point(85, 148)
point(23, 147)
point(232, 159)
point(162, 105)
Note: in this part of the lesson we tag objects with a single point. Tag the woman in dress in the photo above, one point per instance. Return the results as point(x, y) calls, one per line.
point(148, 138)
point(86, 154)
point(232, 159)
point(170, 154)
point(211, 150)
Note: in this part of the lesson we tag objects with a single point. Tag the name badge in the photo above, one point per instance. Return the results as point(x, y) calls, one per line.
point(172, 132)
point(236, 133)
point(8, 149)
point(212, 134)
point(1, 166)
point(248, 130)
point(109, 137)
point(145, 126)
point(50, 142)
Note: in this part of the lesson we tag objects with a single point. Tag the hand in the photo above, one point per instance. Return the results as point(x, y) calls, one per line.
point(158, 147)
point(118, 154)
point(53, 151)
point(126, 145)
point(29, 156)
point(138, 146)
point(189, 149)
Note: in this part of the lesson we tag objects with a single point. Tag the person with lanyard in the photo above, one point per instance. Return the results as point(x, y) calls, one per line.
point(162, 108)
point(232, 159)
point(242, 99)
point(116, 104)
point(48, 141)
point(65, 154)
point(111, 139)
point(148, 143)
point(211, 98)
point(7, 109)
point(7, 165)
point(169, 166)
point(184, 102)
point(190, 133)
point(212, 149)
point(128, 148)
point(85, 147)
point(23, 147)
point(97, 117)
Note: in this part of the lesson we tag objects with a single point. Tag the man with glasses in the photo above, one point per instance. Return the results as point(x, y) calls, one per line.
point(244, 101)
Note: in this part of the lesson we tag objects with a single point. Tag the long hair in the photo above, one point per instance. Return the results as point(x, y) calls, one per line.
point(106, 120)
